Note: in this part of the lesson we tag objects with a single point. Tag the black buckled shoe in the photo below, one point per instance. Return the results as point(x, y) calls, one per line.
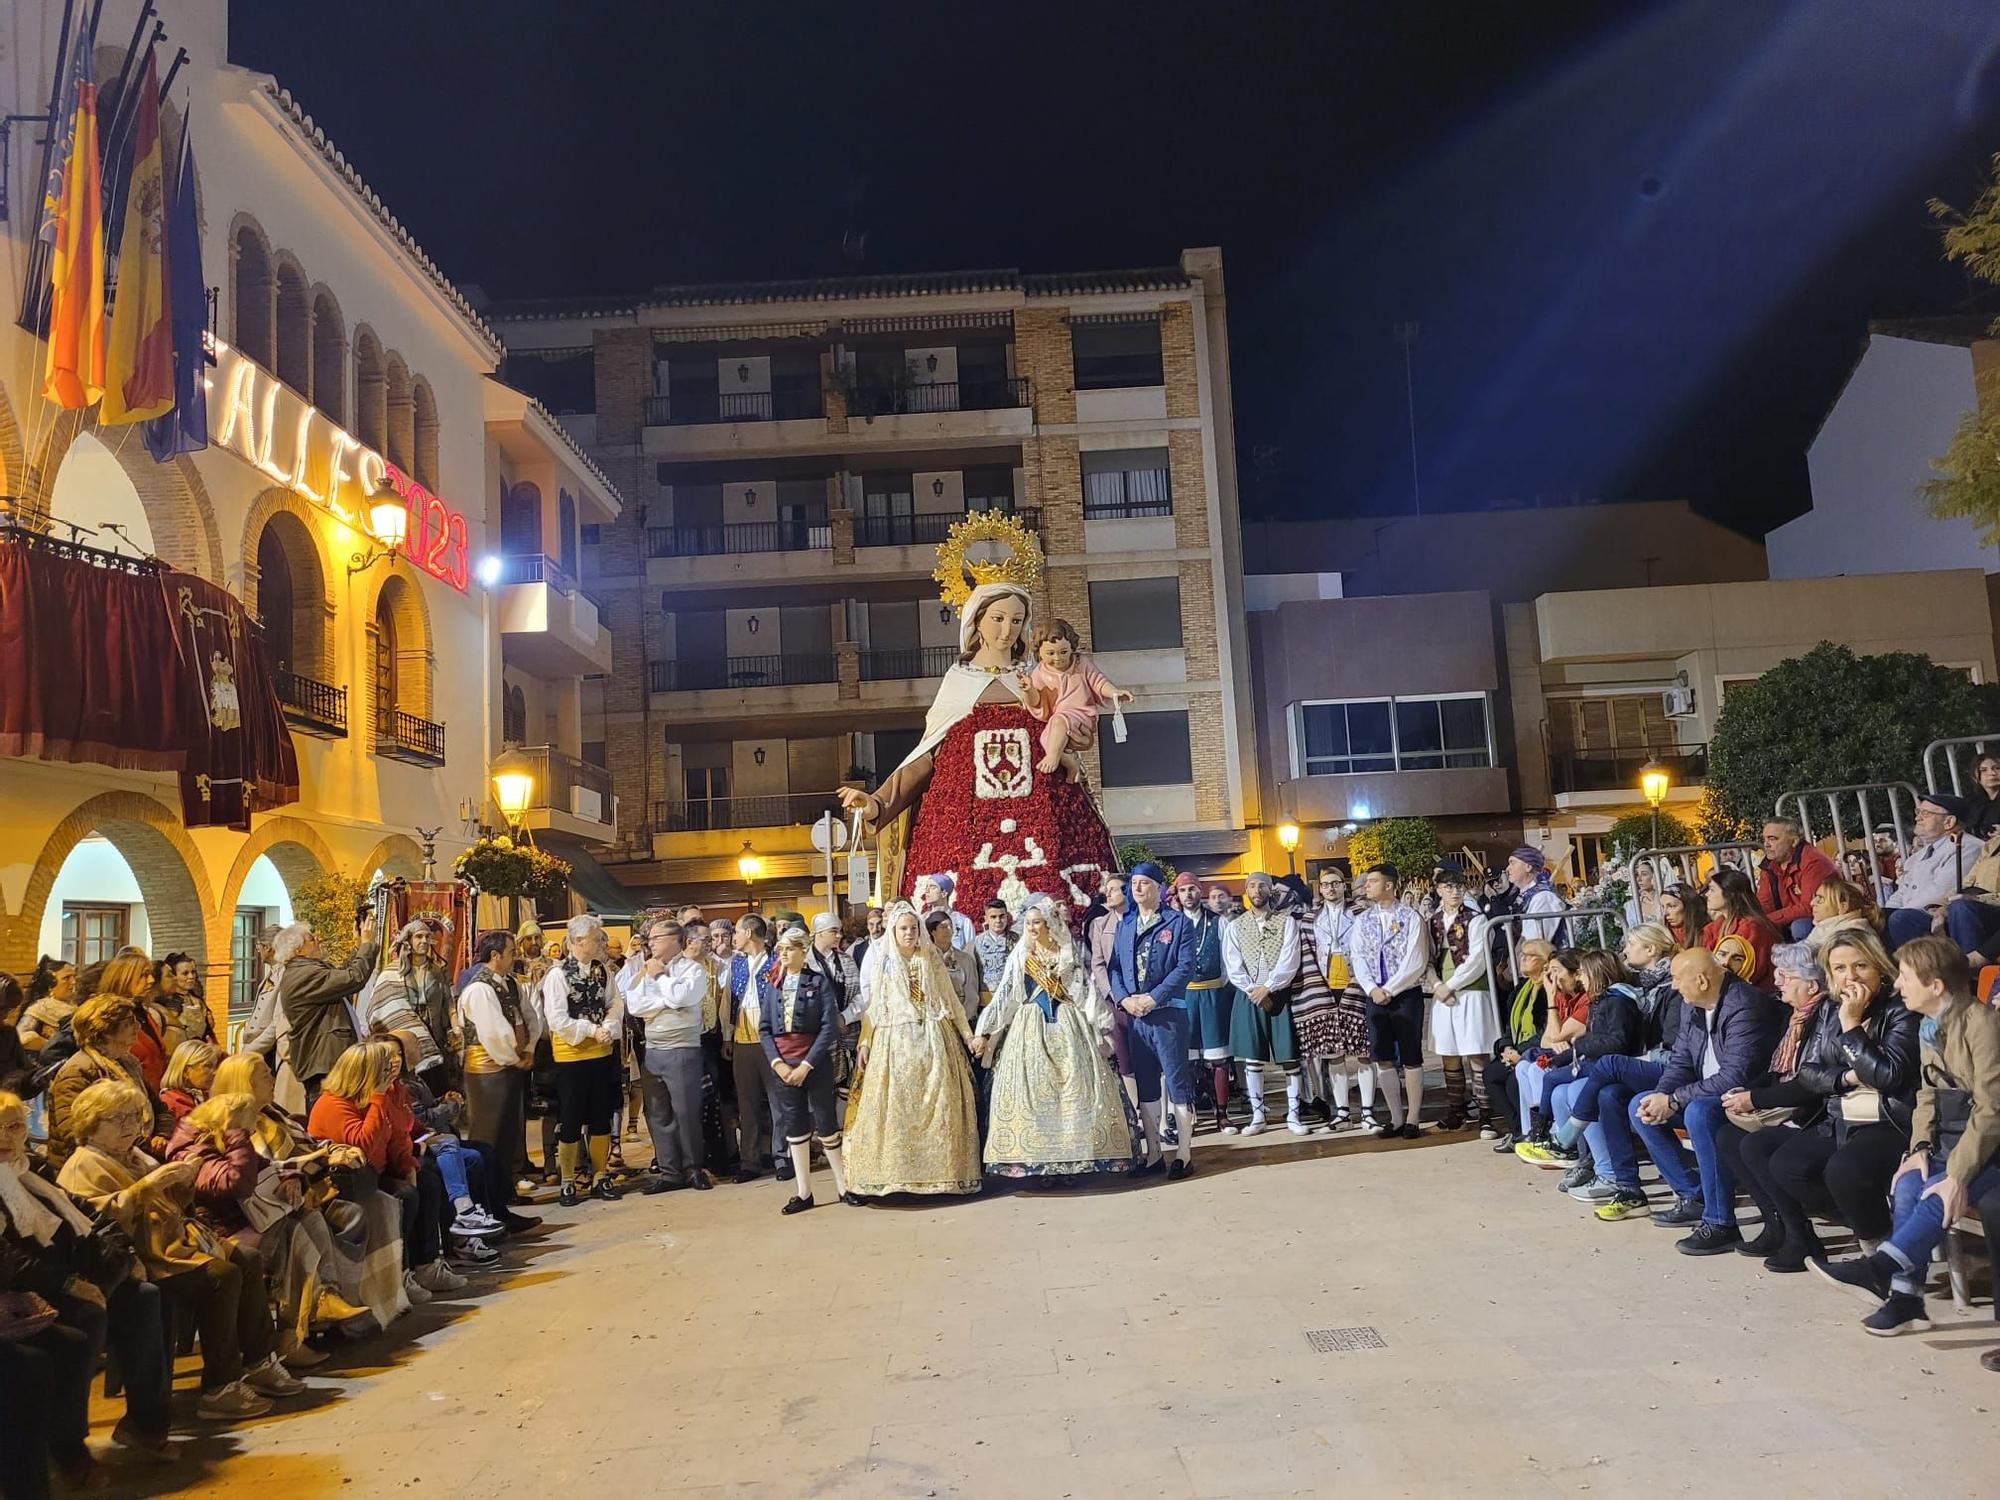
point(796, 1206)
point(605, 1190)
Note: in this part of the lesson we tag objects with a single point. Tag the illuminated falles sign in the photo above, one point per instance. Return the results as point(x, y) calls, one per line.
point(297, 445)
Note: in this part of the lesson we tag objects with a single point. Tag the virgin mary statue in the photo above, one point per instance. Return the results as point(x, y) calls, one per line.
point(969, 799)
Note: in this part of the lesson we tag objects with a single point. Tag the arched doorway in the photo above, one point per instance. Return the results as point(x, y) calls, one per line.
point(291, 598)
point(92, 490)
point(119, 871)
point(383, 679)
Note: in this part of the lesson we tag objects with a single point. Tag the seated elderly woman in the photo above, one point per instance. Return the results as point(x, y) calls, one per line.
point(261, 1206)
point(1954, 1157)
point(1527, 1016)
point(105, 1027)
point(49, 1248)
point(367, 1225)
point(222, 1286)
point(1824, 1131)
point(190, 1073)
point(363, 1103)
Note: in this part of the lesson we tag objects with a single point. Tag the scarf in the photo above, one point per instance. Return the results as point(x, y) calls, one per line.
point(36, 1210)
point(586, 990)
point(1785, 1061)
point(1521, 1019)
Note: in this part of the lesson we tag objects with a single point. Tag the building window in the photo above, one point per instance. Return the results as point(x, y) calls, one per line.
point(252, 318)
point(91, 934)
point(1112, 355)
point(1155, 752)
point(1125, 482)
point(514, 716)
point(593, 531)
point(246, 970)
point(1359, 736)
point(294, 350)
point(1135, 614)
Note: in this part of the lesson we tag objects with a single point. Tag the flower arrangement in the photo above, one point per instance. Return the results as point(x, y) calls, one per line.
point(498, 866)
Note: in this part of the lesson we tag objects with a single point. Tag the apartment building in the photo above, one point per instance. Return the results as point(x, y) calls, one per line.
point(793, 452)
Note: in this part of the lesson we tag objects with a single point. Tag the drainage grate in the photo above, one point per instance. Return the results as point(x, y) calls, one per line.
point(1344, 1340)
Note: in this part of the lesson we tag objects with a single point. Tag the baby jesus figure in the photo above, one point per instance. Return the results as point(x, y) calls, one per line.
point(1070, 690)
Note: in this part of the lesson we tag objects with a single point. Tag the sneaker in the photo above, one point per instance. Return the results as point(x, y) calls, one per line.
point(1685, 1214)
point(606, 1191)
point(1583, 1172)
point(1257, 1126)
point(1903, 1313)
point(1865, 1278)
point(1597, 1190)
point(231, 1402)
point(1709, 1239)
point(1505, 1145)
point(1297, 1126)
point(570, 1195)
point(1624, 1203)
point(271, 1378)
point(1543, 1154)
point(414, 1289)
point(475, 1226)
point(475, 1253)
point(439, 1277)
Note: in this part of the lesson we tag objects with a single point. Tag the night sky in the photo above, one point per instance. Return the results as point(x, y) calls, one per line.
point(1640, 244)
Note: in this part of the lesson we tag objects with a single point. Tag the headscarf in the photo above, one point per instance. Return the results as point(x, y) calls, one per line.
point(1064, 968)
point(892, 978)
point(968, 637)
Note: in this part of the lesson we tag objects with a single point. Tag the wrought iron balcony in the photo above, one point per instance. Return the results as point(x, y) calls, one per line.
point(991, 394)
point(812, 533)
point(317, 707)
point(694, 408)
point(556, 778)
point(798, 669)
point(928, 528)
point(1609, 770)
point(536, 567)
point(743, 812)
point(401, 736)
point(902, 666)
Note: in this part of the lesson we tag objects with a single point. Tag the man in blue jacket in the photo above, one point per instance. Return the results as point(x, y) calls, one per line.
point(1152, 960)
point(1727, 1035)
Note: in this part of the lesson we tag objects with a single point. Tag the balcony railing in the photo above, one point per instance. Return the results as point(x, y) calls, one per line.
point(1618, 770)
point(557, 778)
point(314, 706)
point(941, 395)
point(535, 567)
point(793, 670)
point(930, 527)
point(743, 812)
point(813, 533)
point(693, 408)
point(402, 736)
point(1127, 494)
point(904, 665)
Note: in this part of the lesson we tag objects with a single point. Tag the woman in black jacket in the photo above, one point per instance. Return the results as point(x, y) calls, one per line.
point(1851, 1096)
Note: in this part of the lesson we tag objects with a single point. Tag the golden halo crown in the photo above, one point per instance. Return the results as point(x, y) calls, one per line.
point(957, 575)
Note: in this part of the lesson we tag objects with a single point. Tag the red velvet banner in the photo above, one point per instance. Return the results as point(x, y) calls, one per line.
point(112, 661)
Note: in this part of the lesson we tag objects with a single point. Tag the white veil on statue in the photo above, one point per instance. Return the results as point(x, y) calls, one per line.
point(1067, 969)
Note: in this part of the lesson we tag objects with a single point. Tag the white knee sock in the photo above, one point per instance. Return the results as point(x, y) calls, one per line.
point(1392, 1092)
point(1293, 1084)
point(802, 1165)
point(1253, 1089)
point(1338, 1084)
point(836, 1166)
point(1184, 1115)
point(1149, 1123)
point(1364, 1078)
point(1413, 1093)
point(1309, 1081)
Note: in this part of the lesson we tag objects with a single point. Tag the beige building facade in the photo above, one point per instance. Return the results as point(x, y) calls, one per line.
point(792, 454)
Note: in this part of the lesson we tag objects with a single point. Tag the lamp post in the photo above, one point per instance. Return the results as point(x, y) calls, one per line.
point(512, 790)
point(388, 524)
point(1288, 840)
point(750, 865)
point(1654, 780)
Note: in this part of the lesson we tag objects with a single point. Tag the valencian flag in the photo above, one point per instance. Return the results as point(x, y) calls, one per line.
point(185, 428)
point(73, 224)
point(139, 361)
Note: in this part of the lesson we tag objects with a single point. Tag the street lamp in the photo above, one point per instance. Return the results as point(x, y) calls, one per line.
point(512, 789)
point(1654, 780)
point(1288, 840)
point(388, 524)
point(750, 865)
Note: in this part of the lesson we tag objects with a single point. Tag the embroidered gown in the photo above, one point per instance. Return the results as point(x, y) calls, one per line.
point(1057, 1107)
point(913, 1123)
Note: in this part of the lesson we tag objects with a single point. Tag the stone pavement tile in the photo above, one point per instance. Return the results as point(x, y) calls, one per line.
point(955, 1355)
point(1293, 1464)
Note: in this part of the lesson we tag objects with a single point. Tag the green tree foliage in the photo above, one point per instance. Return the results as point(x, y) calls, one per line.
point(1410, 844)
point(1138, 851)
point(328, 902)
point(1832, 718)
point(1633, 833)
point(1967, 481)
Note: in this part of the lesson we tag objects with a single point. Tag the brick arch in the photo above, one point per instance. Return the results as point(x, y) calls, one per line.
point(313, 607)
point(176, 501)
point(172, 879)
point(292, 844)
point(292, 354)
point(398, 854)
point(400, 590)
point(253, 291)
point(329, 353)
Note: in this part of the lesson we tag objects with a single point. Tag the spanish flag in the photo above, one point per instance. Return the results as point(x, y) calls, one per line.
point(73, 224)
point(139, 374)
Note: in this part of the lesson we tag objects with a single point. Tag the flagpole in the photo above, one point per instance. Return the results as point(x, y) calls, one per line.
point(37, 271)
point(173, 72)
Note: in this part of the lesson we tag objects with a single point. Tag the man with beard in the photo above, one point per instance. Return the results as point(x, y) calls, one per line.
point(1260, 953)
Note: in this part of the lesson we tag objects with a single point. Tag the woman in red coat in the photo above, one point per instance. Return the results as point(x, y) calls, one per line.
point(362, 1104)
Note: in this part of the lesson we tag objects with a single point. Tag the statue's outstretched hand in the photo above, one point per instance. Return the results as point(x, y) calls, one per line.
point(853, 798)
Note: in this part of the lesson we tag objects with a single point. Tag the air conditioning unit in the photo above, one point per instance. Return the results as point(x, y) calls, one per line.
point(1678, 702)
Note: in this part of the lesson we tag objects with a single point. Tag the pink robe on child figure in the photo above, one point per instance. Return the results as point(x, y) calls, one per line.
point(1073, 713)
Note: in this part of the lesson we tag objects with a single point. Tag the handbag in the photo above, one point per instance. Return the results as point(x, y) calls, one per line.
point(1951, 1110)
point(23, 1315)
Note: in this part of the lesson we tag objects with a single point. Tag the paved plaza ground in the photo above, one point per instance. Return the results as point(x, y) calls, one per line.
point(1148, 1341)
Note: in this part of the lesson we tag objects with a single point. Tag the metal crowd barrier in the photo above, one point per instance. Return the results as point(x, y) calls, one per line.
point(1691, 864)
point(1838, 811)
point(1605, 924)
point(1945, 754)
